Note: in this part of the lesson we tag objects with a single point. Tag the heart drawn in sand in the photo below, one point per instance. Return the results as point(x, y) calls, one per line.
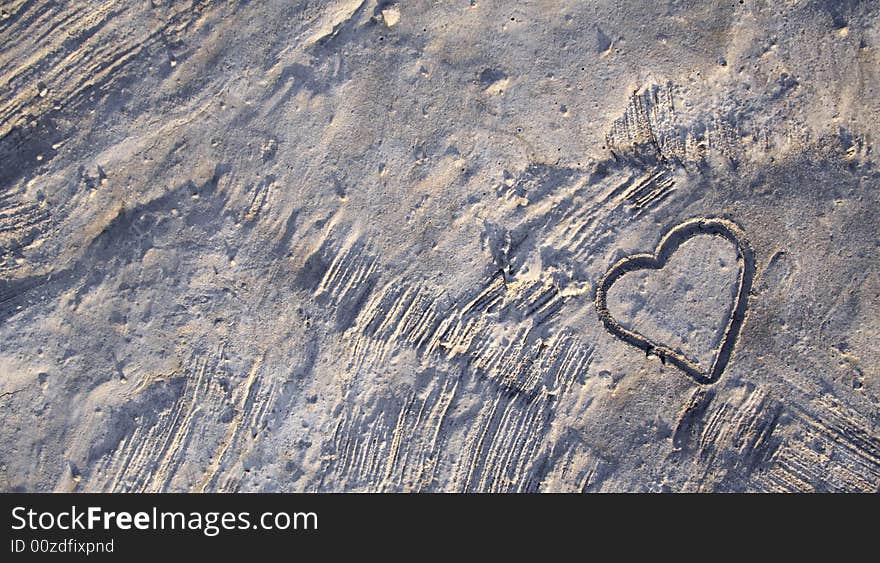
point(656, 261)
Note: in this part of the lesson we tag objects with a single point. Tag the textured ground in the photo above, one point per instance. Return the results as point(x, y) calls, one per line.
point(354, 246)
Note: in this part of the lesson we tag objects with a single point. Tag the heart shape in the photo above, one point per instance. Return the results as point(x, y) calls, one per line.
point(656, 261)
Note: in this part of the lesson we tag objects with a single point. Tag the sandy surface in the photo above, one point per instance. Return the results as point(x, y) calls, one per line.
point(355, 246)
